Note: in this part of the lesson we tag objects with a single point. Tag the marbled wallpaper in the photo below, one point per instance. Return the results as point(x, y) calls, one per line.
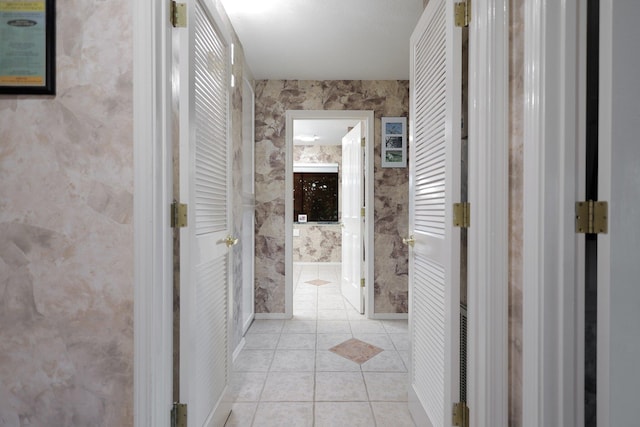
point(317, 243)
point(516, 171)
point(318, 153)
point(273, 99)
point(66, 235)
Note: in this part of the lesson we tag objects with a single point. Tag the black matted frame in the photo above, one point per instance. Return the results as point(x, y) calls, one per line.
point(49, 81)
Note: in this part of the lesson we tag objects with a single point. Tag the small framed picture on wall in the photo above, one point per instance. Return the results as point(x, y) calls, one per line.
point(394, 142)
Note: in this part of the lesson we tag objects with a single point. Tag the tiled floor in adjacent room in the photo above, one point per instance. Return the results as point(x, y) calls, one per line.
point(327, 367)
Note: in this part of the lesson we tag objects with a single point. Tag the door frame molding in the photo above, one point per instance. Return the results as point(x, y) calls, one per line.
point(249, 202)
point(488, 245)
point(367, 116)
point(550, 326)
point(153, 194)
point(153, 181)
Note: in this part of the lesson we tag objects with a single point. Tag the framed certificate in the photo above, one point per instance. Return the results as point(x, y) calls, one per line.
point(27, 47)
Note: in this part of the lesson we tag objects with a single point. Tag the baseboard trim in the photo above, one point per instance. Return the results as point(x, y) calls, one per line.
point(238, 349)
point(389, 316)
point(272, 316)
point(248, 323)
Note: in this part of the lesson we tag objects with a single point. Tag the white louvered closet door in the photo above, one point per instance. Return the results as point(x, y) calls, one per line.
point(434, 261)
point(204, 185)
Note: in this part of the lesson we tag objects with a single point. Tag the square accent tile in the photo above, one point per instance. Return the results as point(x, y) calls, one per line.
point(379, 340)
point(326, 341)
point(317, 282)
point(327, 361)
point(389, 361)
point(356, 350)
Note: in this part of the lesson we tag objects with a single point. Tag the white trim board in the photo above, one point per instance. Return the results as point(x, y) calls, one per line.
point(247, 324)
point(389, 316)
point(488, 245)
point(153, 249)
point(248, 201)
point(272, 316)
point(237, 350)
point(549, 242)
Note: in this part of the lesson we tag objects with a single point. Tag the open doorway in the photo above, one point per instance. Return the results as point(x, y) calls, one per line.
point(321, 213)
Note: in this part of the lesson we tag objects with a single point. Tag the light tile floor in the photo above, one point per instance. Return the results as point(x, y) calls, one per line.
point(286, 376)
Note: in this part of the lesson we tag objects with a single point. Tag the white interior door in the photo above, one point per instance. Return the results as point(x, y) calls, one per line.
point(434, 183)
point(618, 336)
point(204, 186)
point(352, 218)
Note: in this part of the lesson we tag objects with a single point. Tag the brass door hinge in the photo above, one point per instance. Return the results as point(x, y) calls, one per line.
point(363, 141)
point(462, 215)
point(362, 212)
point(460, 414)
point(463, 13)
point(178, 215)
point(178, 14)
point(362, 283)
point(592, 217)
point(179, 415)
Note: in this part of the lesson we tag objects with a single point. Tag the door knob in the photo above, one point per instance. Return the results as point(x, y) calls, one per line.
point(410, 241)
point(230, 241)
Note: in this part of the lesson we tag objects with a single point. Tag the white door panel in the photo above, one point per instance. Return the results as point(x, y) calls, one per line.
point(352, 219)
point(618, 320)
point(204, 186)
point(434, 184)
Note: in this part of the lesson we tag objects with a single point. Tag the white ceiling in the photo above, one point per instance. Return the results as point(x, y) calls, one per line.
point(325, 39)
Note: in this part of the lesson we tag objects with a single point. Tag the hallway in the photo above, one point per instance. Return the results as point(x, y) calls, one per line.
point(294, 373)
